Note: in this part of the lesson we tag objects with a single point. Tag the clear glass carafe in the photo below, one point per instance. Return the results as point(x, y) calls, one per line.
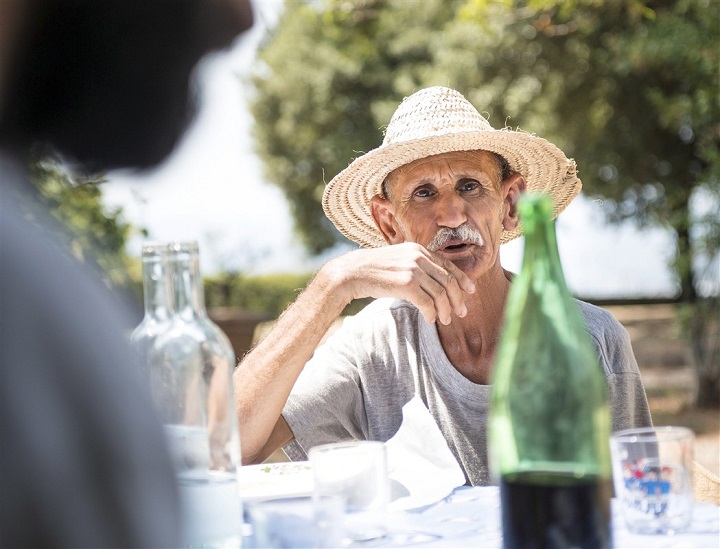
point(191, 380)
point(157, 300)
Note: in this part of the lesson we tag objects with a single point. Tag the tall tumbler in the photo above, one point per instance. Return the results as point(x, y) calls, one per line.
point(191, 364)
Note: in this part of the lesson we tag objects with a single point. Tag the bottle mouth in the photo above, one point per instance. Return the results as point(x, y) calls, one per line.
point(157, 250)
point(154, 250)
point(189, 246)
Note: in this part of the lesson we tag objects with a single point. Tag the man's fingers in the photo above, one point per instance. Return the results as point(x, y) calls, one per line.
point(451, 285)
point(462, 279)
point(438, 298)
point(426, 306)
point(409, 271)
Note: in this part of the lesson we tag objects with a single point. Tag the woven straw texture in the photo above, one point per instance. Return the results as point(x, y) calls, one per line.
point(434, 121)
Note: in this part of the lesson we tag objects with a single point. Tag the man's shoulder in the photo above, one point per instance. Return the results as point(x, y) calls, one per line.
point(611, 339)
point(597, 319)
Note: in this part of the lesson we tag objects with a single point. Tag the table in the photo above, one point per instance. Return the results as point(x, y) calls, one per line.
point(470, 517)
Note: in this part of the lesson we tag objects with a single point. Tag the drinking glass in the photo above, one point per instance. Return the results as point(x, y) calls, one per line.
point(652, 473)
point(356, 472)
point(294, 522)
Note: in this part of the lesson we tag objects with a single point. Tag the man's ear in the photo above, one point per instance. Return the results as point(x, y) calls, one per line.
point(383, 214)
point(513, 187)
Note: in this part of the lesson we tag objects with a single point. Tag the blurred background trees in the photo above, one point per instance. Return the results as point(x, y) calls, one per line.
point(629, 88)
point(94, 234)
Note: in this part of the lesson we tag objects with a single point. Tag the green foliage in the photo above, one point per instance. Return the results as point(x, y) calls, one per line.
point(629, 88)
point(95, 235)
point(325, 87)
point(269, 294)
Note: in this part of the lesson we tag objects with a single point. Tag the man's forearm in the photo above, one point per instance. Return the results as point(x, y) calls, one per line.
point(265, 377)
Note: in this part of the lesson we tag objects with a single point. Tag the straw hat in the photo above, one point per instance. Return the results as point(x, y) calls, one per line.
point(433, 121)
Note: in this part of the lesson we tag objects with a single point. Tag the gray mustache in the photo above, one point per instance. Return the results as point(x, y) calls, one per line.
point(464, 232)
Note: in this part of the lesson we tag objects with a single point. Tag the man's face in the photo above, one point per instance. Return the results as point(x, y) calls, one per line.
point(456, 190)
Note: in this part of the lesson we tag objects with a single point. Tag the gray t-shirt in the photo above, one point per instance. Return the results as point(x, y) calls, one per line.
point(355, 385)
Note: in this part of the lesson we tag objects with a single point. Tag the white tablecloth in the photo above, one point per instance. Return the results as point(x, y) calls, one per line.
point(470, 517)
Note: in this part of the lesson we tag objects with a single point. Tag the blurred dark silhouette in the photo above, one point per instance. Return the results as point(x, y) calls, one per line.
point(104, 83)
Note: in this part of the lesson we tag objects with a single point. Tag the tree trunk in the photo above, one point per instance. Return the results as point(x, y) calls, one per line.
point(683, 262)
point(705, 343)
point(702, 322)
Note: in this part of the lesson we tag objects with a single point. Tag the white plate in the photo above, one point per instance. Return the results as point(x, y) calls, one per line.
point(269, 480)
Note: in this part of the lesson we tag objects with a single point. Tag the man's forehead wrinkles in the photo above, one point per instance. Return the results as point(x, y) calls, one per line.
point(447, 168)
point(451, 175)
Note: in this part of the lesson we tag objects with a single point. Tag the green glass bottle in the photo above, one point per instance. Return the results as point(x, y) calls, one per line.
point(549, 423)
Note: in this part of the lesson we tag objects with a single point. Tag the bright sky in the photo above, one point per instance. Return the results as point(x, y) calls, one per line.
point(212, 190)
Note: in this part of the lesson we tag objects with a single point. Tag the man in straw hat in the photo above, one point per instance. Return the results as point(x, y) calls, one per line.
point(431, 207)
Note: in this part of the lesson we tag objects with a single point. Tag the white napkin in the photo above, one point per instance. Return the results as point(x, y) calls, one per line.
point(421, 467)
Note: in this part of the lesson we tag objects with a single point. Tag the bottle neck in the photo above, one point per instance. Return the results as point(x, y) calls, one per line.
point(188, 298)
point(156, 286)
point(541, 259)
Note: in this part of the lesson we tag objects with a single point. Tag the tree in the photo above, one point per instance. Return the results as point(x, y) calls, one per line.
point(326, 86)
point(95, 235)
point(629, 88)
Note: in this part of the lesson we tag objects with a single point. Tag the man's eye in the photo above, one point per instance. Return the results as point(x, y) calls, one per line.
point(468, 185)
point(423, 193)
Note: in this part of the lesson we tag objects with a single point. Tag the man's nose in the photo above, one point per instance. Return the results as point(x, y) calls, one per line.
point(451, 211)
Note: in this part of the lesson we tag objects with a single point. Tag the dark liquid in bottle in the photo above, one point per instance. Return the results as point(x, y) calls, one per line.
point(548, 510)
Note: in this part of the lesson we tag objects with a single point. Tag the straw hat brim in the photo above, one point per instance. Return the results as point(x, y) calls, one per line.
point(346, 199)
